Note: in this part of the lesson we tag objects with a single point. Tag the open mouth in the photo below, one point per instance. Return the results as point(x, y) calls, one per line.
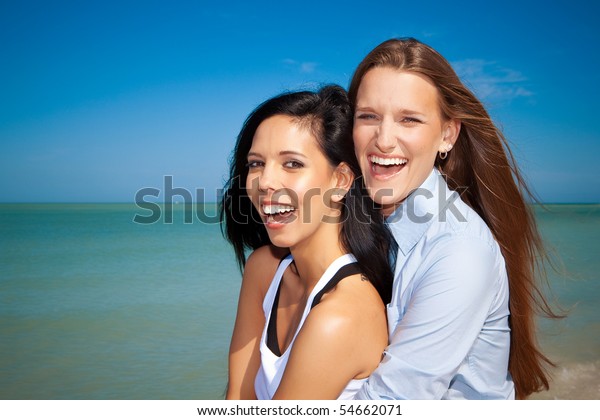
point(386, 167)
point(278, 213)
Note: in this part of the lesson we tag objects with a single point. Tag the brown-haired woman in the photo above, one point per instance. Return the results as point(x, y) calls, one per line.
point(467, 241)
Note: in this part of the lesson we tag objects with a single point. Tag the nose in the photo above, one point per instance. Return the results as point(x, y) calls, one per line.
point(386, 140)
point(267, 179)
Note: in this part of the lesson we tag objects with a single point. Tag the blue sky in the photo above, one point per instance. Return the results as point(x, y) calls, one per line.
point(101, 99)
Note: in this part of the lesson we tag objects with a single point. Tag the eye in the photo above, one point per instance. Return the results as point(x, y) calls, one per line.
point(252, 164)
point(411, 120)
point(366, 116)
point(293, 164)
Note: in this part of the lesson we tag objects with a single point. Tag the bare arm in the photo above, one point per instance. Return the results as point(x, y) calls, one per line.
point(244, 354)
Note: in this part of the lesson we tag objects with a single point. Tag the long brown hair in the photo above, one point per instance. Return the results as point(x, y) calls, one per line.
point(482, 167)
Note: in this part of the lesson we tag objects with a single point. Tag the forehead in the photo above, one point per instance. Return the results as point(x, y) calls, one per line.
point(283, 131)
point(398, 88)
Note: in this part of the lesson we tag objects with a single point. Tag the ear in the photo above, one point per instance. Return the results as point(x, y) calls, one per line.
point(450, 135)
point(343, 178)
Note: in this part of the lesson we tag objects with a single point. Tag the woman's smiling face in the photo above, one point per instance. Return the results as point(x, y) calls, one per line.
point(288, 177)
point(398, 131)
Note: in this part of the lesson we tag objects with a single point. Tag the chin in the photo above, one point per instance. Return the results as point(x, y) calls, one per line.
point(280, 242)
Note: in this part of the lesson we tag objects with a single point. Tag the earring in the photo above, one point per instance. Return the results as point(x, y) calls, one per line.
point(337, 197)
point(444, 154)
point(337, 194)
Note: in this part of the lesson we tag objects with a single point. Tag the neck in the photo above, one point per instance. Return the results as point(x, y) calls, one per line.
point(314, 255)
point(388, 209)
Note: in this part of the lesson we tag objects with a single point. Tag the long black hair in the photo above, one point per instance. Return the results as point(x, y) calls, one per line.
point(329, 115)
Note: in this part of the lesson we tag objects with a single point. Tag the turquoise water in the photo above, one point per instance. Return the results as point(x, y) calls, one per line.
point(572, 234)
point(95, 306)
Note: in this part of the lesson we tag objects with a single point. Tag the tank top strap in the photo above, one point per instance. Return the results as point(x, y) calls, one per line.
point(345, 271)
point(349, 269)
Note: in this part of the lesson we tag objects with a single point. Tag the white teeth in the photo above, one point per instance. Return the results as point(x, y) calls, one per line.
point(276, 208)
point(388, 161)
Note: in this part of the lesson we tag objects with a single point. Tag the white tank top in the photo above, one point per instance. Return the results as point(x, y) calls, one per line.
point(272, 366)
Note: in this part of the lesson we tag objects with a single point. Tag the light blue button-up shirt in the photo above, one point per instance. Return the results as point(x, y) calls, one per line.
point(448, 317)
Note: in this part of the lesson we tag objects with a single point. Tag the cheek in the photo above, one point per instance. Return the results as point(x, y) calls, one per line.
point(361, 141)
point(422, 145)
point(307, 188)
point(310, 191)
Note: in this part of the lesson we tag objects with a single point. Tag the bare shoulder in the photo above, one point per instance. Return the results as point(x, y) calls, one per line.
point(354, 300)
point(265, 257)
point(262, 264)
point(351, 319)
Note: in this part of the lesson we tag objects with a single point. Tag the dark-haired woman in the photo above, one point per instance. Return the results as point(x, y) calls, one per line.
point(316, 328)
point(461, 316)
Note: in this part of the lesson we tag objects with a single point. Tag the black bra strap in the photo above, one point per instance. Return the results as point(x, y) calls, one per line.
point(272, 342)
point(346, 271)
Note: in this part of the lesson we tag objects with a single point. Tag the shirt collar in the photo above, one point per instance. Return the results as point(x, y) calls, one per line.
point(409, 222)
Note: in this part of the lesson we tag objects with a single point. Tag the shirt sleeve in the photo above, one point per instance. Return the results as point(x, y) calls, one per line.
point(444, 315)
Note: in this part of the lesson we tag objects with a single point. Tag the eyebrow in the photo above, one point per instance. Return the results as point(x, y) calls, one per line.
point(291, 152)
point(401, 110)
point(411, 112)
point(282, 153)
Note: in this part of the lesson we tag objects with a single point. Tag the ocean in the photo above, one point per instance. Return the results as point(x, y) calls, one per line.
point(94, 305)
